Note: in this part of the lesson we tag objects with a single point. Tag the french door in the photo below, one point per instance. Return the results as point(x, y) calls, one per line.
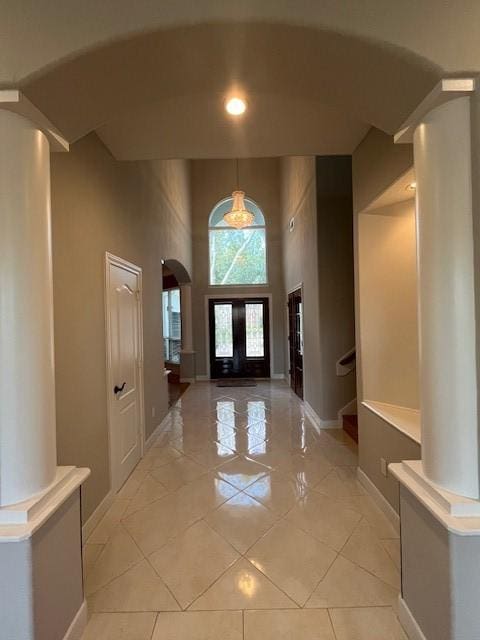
point(239, 338)
point(295, 341)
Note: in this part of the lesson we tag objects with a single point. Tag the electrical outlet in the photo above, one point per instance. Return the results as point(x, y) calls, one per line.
point(154, 412)
point(383, 467)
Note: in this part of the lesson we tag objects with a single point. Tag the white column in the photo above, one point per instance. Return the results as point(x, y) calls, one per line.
point(27, 392)
point(186, 316)
point(448, 376)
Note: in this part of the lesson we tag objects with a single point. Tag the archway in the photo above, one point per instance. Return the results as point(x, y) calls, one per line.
point(177, 327)
point(346, 84)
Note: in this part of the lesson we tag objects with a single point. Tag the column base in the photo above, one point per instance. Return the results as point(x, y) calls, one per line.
point(41, 581)
point(440, 559)
point(30, 513)
point(457, 513)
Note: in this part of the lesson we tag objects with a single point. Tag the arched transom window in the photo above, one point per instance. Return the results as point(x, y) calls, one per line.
point(237, 256)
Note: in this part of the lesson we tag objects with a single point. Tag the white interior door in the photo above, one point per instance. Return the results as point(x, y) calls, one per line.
point(125, 379)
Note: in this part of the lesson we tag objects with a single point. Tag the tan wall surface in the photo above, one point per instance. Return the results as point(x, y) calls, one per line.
point(318, 253)
point(335, 279)
point(300, 263)
point(136, 211)
point(213, 180)
point(377, 163)
point(388, 309)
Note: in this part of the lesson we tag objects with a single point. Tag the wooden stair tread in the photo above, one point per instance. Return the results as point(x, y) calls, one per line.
point(350, 425)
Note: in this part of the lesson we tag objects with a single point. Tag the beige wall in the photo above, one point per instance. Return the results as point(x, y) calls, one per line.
point(335, 279)
point(300, 263)
point(377, 163)
point(213, 180)
point(318, 254)
point(388, 305)
point(138, 211)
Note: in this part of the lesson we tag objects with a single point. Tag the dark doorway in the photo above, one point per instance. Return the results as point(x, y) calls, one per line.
point(295, 341)
point(172, 336)
point(239, 338)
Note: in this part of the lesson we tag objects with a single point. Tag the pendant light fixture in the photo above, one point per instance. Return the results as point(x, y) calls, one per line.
point(239, 216)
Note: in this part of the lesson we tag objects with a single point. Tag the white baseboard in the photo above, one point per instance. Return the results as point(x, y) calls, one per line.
point(189, 380)
point(97, 515)
point(379, 499)
point(408, 622)
point(76, 629)
point(106, 503)
point(155, 433)
point(202, 378)
point(278, 376)
point(317, 421)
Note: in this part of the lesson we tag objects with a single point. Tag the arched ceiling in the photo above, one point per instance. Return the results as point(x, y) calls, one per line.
point(151, 79)
point(37, 34)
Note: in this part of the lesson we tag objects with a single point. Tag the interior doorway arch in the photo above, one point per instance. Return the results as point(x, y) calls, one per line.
point(177, 277)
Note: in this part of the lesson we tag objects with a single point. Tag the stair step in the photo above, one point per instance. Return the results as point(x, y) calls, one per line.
point(350, 425)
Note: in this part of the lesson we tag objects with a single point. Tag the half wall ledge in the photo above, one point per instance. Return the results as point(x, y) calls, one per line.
point(404, 419)
point(20, 521)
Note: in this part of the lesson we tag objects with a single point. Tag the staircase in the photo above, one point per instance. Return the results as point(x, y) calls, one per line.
point(350, 425)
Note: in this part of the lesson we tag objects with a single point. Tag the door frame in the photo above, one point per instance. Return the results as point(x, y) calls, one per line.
point(287, 347)
point(241, 296)
point(116, 261)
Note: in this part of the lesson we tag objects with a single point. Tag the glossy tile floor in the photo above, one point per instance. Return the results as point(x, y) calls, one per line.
point(243, 522)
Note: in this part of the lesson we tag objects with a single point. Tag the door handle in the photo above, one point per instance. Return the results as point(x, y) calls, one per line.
point(119, 389)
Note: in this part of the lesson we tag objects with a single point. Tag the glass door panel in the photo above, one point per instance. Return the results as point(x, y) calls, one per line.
point(223, 331)
point(254, 330)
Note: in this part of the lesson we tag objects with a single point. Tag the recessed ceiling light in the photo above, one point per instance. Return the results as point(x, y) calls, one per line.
point(411, 187)
point(236, 106)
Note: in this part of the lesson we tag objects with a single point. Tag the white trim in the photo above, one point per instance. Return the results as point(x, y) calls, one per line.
point(345, 369)
point(438, 502)
point(277, 376)
point(408, 622)
point(112, 260)
point(15, 101)
point(45, 502)
point(241, 296)
point(379, 499)
point(295, 288)
point(22, 520)
point(202, 378)
point(318, 422)
point(97, 515)
point(107, 501)
point(404, 419)
point(445, 90)
point(156, 432)
point(77, 627)
point(189, 380)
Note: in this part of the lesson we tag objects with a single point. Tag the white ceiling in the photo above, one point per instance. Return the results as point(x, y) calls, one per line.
point(199, 127)
point(160, 94)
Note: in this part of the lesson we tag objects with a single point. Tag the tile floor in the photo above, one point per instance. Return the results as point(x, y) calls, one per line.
point(243, 522)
